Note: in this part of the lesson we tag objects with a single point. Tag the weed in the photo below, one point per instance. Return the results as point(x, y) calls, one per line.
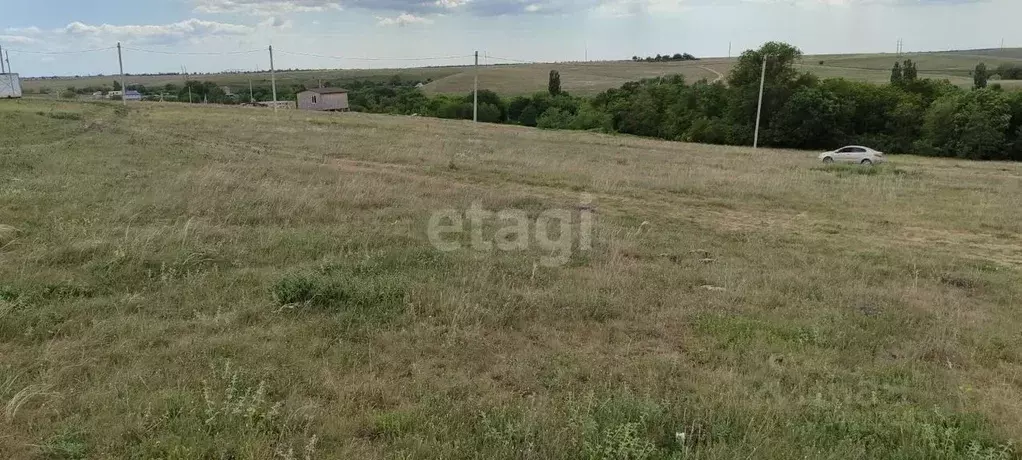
point(359, 295)
point(68, 444)
point(845, 170)
point(232, 417)
point(62, 114)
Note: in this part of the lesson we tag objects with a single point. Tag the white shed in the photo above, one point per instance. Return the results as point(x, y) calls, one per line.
point(10, 86)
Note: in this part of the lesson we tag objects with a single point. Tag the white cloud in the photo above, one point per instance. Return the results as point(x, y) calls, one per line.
point(17, 39)
point(190, 31)
point(403, 20)
point(265, 7)
point(22, 30)
point(276, 22)
point(162, 33)
point(450, 4)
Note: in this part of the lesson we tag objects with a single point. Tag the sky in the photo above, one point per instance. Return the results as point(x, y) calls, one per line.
point(74, 37)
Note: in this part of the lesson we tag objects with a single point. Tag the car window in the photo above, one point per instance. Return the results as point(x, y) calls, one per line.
point(858, 150)
point(845, 150)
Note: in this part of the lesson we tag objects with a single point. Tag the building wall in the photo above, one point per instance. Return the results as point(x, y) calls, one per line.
point(338, 101)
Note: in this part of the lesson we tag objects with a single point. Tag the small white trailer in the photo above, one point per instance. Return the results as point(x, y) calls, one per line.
point(10, 86)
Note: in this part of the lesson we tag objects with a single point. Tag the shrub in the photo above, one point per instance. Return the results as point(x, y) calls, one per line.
point(590, 118)
point(529, 116)
point(554, 118)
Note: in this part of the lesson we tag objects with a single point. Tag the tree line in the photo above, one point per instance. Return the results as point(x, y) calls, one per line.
point(666, 58)
point(908, 115)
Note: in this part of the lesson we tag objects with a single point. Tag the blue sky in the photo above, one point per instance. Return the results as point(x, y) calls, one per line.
point(164, 35)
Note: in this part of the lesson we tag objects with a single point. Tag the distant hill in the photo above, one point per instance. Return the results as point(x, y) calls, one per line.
point(587, 78)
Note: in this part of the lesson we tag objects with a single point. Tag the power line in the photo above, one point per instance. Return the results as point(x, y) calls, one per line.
point(518, 61)
point(63, 52)
point(195, 53)
point(432, 58)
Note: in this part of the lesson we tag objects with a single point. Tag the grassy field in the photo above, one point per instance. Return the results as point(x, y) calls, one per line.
point(577, 78)
point(193, 282)
point(239, 81)
point(589, 78)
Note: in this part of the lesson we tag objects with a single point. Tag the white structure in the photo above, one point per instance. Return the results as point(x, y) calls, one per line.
point(10, 86)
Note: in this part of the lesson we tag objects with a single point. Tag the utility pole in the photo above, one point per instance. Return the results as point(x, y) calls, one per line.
point(475, 92)
point(273, 80)
point(759, 108)
point(729, 50)
point(8, 54)
point(2, 69)
point(124, 86)
point(251, 97)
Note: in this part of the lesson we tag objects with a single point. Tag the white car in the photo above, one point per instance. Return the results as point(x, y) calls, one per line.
point(856, 154)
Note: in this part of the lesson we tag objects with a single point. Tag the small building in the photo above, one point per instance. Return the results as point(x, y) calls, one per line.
point(10, 86)
point(129, 95)
point(98, 95)
point(332, 99)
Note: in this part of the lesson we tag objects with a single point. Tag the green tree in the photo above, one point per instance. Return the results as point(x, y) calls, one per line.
point(554, 118)
point(591, 118)
point(1009, 71)
point(905, 123)
point(938, 127)
point(515, 108)
point(809, 119)
point(529, 116)
point(782, 79)
point(896, 75)
point(980, 126)
point(980, 76)
point(974, 126)
point(909, 72)
point(489, 113)
point(489, 97)
point(554, 86)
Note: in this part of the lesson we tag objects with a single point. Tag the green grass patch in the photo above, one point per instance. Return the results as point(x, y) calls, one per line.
point(848, 170)
point(62, 115)
point(375, 298)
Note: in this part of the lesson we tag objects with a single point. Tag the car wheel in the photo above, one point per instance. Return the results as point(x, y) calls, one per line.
point(867, 162)
point(828, 160)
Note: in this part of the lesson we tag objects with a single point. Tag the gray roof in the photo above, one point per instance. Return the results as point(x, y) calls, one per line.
point(327, 90)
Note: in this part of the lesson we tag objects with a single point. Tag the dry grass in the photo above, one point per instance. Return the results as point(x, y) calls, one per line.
point(768, 307)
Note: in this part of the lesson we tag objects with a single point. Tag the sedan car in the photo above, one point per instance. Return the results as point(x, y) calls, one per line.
point(854, 154)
